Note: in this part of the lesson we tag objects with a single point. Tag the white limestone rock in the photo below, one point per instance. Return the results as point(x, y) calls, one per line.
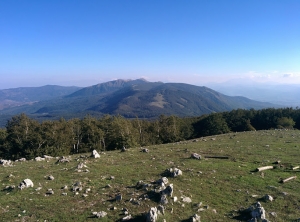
point(25, 184)
point(95, 154)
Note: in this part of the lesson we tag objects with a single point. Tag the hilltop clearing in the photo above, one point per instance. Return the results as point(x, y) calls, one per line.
point(218, 186)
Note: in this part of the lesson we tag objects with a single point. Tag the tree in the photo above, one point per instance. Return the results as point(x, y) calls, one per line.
point(21, 136)
point(212, 125)
point(285, 122)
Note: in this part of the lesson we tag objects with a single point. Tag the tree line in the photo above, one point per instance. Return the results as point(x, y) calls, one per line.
point(26, 137)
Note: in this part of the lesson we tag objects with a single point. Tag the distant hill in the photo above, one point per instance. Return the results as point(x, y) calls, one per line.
point(283, 94)
point(28, 95)
point(131, 98)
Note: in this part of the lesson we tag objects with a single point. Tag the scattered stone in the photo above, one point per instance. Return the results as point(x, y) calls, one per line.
point(65, 187)
point(118, 197)
point(161, 209)
point(77, 186)
point(128, 217)
point(125, 211)
point(63, 160)
point(186, 199)
point(21, 160)
point(163, 199)
point(95, 154)
point(64, 194)
point(258, 212)
point(108, 186)
point(81, 165)
point(112, 177)
point(5, 162)
point(50, 177)
point(145, 150)
point(47, 157)
point(274, 214)
point(9, 188)
point(152, 215)
point(196, 156)
point(100, 214)
point(195, 218)
point(50, 192)
point(123, 149)
point(174, 172)
point(39, 159)
point(214, 211)
point(25, 184)
point(168, 191)
point(268, 198)
point(39, 188)
point(175, 199)
point(140, 184)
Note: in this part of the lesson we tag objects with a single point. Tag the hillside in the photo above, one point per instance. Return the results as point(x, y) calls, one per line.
point(141, 98)
point(28, 95)
point(219, 189)
point(286, 95)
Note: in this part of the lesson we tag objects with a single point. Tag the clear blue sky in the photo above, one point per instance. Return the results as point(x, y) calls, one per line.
point(72, 42)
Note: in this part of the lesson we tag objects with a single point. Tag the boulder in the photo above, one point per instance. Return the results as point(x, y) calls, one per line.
point(128, 217)
point(95, 154)
point(196, 156)
point(174, 172)
point(151, 216)
point(5, 162)
point(258, 212)
point(77, 186)
point(21, 160)
point(145, 150)
point(38, 158)
point(186, 199)
point(63, 160)
point(50, 191)
point(50, 177)
point(162, 181)
point(47, 157)
point(168, 191)
point(81, 165)
point(163, 199)
point(100, 214)
point(195, 218)
point(161, 209)
point(268, 198)
point(25, 184)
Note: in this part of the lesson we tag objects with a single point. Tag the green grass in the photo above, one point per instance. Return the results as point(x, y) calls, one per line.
point(226, 185)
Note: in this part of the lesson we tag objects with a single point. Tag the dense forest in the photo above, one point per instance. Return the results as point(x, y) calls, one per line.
point(26, 137)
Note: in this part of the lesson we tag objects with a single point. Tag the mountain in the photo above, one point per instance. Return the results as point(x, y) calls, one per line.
point(131, 98)
point(28, 95)
point(284, 94)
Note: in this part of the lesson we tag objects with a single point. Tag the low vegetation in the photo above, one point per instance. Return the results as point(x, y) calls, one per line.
point(220, 189)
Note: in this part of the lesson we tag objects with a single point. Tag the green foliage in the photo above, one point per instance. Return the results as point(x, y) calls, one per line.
point(285, 122)
point(26, 137)
point(213, 124)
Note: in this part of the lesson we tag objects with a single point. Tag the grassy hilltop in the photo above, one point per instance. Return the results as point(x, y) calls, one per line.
point(224, 186)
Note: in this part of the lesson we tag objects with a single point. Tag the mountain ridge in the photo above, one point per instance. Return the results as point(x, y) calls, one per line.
point(136, 98)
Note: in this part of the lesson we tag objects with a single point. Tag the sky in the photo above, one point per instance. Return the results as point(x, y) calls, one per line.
point(86, 42)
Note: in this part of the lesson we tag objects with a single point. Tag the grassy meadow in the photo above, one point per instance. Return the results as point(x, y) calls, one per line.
point(224, 186)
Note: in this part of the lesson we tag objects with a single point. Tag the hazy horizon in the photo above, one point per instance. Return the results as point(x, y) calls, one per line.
point(83, 43)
